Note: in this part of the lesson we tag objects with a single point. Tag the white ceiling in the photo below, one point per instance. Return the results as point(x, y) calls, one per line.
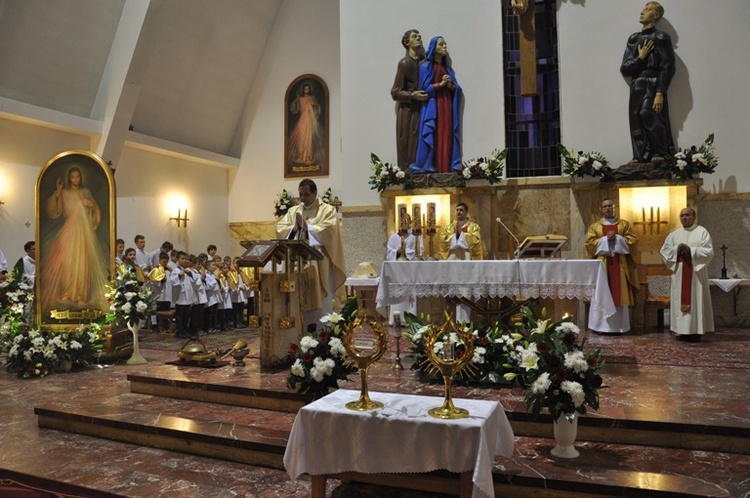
point(190, 70)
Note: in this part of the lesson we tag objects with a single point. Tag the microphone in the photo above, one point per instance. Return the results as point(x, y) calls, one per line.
point(515, 253)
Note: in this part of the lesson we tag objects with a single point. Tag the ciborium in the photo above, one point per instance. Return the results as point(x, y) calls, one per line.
point(364, 361)
point(448, 362)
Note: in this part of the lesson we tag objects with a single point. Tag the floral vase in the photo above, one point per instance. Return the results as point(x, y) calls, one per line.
point(565, 435)
point(136, 358)
point(586, 179)
point(64, 366)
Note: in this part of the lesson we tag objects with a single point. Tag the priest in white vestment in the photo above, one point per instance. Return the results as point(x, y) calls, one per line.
point(687, 253)
point(317, 223)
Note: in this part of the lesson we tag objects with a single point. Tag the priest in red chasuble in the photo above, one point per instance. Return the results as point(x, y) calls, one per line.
point(687, 252)
point(612, 240)
point(317, 223)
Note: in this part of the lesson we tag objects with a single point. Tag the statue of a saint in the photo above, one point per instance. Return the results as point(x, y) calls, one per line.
point(649, 62)
point(408, 97)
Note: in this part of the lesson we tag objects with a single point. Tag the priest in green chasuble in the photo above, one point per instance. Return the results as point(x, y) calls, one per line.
point(317, 223)
point(612, 240)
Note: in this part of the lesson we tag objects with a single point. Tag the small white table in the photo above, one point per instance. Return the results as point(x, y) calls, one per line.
point(733, 285)
point(327, 438)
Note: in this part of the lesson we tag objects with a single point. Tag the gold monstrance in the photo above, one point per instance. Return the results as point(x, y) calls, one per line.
point(447, 364)
point(364, 402)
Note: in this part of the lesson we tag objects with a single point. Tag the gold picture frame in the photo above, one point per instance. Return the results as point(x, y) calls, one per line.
point(306, 124)
point(75, 239)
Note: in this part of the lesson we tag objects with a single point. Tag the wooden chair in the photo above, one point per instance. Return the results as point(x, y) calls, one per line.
point(657, 276)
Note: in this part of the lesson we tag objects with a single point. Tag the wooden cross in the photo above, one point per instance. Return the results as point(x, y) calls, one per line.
point(527, 44)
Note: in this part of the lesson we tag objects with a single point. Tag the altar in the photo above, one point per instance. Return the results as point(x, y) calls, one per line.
point(582, 279)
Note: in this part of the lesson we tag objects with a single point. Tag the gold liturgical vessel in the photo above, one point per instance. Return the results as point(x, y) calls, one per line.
point(447, 365)
point(363, 361)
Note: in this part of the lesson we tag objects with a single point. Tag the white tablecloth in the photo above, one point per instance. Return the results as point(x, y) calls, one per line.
point(727, 284)
point(401, 437)
point(362, 281)
point(583, 279)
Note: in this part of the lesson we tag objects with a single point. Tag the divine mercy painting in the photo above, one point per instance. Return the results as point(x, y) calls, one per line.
point(306, 127)
point(75, 239)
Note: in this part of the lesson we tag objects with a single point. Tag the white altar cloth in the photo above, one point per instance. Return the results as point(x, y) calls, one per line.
point(727, 284)
point(401, 437)
point(583, 279)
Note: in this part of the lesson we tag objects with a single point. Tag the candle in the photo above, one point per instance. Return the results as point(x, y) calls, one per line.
point(403, 225)
point(431, 218)
point(416, 216)
point(447, 350)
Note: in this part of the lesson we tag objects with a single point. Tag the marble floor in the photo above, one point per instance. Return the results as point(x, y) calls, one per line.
point(652, 379)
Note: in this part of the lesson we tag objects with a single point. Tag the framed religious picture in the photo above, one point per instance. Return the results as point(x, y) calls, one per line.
point(306, 127)
point(75, 234)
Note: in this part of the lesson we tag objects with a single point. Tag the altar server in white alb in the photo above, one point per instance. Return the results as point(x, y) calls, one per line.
point(407, 247)
point(687, 253)
point(404, 248)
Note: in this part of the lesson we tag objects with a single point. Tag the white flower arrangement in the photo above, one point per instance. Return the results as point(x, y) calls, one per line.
point(488, 168)
point(688, 163)
point(283, 203)
point(319, 361)
point(386, 174)
point(582, 164)
point(129, 301)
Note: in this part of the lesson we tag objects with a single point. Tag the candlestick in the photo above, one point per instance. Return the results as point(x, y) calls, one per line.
point(724, 261)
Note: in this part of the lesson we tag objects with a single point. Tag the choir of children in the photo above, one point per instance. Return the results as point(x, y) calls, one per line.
point(207, 293)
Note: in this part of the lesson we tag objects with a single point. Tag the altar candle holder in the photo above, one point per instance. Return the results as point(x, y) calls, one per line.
point(397, 334)
point(363, 361)
point(448, 365)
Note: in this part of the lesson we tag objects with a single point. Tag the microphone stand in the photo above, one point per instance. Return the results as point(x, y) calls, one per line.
point(518, 244)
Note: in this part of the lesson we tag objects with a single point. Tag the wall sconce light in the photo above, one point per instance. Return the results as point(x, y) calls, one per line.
point(651, 221)
point(181, 218)
point(1, 203)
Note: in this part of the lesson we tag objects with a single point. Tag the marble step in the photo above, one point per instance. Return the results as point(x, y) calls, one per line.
point(670, 432)
point(213, 438)
point(601, 470)
point(249, 393)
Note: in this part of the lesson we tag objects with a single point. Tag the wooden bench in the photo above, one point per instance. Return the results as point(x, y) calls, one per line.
point(168, 317)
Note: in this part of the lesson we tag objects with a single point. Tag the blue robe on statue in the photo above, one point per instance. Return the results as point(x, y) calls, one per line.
point(428, 116)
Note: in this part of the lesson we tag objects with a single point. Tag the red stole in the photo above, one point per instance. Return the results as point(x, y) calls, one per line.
point(687, 282)
point(613, 269)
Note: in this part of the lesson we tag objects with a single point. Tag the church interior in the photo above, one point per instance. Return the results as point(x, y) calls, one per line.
point(188, 102)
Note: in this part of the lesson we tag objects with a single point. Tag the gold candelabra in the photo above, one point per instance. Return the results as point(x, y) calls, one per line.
point(364, 361)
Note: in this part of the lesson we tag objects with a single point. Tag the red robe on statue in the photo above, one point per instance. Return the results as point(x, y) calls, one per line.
point(444, 134)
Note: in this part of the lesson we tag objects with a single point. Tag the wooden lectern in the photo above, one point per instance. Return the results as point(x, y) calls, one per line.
point(279, 302)
point(541, 246)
